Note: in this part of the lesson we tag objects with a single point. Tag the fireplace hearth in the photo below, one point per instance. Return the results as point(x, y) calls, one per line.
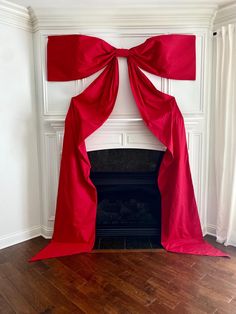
point(129, 202)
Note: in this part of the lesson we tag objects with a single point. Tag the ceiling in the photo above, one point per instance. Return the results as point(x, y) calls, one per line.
point(110, 3)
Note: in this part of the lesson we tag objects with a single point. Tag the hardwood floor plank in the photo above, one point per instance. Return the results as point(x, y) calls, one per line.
point(123, 303)
point(216, 270)
point(54, 266)
point(164, 295)
point(13, 297)
point(5, 306)
point(220, 286)
point(27, 289)
point(53, 294)
point(77, 290)
point(227, 308)
point(157, 307)
point(133, 292)
point(191, 308)
point(142, 270)
point(191, 293)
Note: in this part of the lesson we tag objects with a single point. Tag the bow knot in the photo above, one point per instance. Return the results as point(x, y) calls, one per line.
point(121, 52)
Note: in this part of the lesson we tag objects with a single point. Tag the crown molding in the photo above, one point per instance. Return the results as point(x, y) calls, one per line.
point(225, 15)
point(162, 15)
point(15, 15)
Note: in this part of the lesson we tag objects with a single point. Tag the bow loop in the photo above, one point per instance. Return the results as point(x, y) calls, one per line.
point(169, 56)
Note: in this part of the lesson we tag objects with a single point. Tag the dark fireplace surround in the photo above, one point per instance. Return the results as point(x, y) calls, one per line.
point(129, 201)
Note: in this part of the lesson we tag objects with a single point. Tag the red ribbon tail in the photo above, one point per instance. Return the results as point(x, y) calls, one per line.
point(195, 247)
point(56, 249)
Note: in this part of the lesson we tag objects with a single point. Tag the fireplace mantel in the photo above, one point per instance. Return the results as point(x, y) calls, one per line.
point(125, 127)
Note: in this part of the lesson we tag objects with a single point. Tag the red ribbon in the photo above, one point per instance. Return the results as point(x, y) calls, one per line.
point(73, 57)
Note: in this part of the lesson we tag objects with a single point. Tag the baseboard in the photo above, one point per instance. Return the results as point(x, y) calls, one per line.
point(18, 237)
point(204, 230)
point(46, 232)
point(211, 230)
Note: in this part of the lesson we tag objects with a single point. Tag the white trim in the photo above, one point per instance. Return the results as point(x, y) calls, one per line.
point(211, 230)
point(46, 232)
point(18, 237)
point(124, 16)
point(229, 243)
point(225, 15)
point(15, 15)
point(207, 74)
point(204, 230)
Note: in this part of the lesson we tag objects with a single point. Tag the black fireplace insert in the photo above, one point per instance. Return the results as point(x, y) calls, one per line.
point(129, 201)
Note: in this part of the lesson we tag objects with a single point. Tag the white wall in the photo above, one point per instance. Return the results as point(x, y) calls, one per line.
point(19, 186)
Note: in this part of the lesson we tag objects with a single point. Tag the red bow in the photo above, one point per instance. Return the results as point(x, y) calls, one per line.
point(73, 57)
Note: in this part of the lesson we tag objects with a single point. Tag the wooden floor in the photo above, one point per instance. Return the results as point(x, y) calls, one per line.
point(134, 282)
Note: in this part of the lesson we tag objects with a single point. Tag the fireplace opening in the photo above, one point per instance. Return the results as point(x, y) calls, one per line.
point(129, 201)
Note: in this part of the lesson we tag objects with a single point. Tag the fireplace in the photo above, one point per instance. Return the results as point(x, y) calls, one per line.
point(129, 202)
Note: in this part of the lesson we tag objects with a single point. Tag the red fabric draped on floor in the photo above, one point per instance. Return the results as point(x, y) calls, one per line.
point(72, 57)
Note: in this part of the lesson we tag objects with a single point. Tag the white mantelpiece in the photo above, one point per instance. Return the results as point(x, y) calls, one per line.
point(124, 128)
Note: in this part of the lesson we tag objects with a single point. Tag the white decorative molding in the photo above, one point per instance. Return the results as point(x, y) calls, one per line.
point(119, 17)
point(211, 230)
point(65, 90)
point(206, 126)
point(115, 133)
point(18, 237)
point(15, 15)
point(195, 159)
point(123, 133)
point(50, 175)
point(225, 15)
point(46, 232)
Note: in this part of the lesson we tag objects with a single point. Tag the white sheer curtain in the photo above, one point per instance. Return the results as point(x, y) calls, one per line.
point(225, 133)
